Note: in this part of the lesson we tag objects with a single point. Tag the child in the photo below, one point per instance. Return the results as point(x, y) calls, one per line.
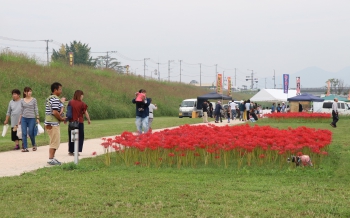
point(63, 106)
point(140, 99)
point(228, 114)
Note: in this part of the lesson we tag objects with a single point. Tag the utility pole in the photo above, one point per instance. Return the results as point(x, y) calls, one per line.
point(144, 67)
point(200, 74)
point(158, 73)
point(274, 79)
point(47, 50)
point(169, 69)
point(252, 79)
point(235, 78)
point(180, 70)
point(216, 75)
point(107, 60)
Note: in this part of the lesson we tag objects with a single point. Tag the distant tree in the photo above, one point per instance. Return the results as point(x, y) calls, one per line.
point(108, 62)
point(60, 55)
point(337, 86)
point(81, 53)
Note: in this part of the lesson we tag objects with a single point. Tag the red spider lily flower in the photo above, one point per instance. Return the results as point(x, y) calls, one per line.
point(137, 163)
point(299, 153)
point(171, 154)
point(94, 153)
point(262, 156)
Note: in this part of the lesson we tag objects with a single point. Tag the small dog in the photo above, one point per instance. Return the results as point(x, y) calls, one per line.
point(304, 160)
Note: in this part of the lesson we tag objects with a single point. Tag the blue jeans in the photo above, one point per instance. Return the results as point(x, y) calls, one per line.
point(30, 124)
point(141, 123)
point(233, 114)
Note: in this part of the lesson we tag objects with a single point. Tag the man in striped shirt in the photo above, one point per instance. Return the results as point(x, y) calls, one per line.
point(52, 121)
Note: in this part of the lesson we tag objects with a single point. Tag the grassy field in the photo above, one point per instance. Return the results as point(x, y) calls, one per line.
point(91, 189)
point(108, 94)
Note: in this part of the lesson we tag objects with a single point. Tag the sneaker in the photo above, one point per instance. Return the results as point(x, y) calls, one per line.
point(16, 147)
point(71, 154)
point(53, 162)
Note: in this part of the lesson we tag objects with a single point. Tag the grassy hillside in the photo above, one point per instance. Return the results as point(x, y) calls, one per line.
point(107, 93)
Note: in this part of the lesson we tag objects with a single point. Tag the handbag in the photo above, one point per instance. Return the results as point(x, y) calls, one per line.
point(73, 125)
point(4, 130)
point(19, 131)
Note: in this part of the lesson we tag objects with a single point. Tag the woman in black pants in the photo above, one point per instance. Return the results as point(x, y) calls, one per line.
point(79, 109)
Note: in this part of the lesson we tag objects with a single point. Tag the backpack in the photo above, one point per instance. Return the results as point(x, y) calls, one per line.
point(69, 114)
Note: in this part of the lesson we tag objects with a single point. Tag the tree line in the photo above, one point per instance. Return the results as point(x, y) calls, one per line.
point(81, 52)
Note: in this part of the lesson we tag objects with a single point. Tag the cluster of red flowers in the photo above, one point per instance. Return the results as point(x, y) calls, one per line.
point(208, 143)
point(304, 115)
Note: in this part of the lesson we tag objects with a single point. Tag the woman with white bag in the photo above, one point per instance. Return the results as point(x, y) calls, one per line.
point(14, 111)
point(29, 118)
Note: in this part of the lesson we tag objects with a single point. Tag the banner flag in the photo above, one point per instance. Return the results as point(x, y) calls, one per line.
point(328, 88)
point(229, 86)
point(298, 86)
point(219, 84)
point(285, 83)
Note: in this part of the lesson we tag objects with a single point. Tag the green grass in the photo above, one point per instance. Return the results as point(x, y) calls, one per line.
point(107, 93)
point(91, 189)
point(101, 128)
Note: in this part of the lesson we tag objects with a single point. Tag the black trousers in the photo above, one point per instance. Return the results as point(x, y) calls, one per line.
point(81, 139)
point(335, 118)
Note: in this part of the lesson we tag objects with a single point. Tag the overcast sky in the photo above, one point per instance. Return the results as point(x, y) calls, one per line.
point(263, 36)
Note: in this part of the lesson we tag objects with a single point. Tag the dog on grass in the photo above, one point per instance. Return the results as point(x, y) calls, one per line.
point(301, 160)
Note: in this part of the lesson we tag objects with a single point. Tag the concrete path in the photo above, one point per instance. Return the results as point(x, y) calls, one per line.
point(14, 163)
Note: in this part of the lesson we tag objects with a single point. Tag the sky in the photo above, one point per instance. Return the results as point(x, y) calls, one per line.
point(240, 37)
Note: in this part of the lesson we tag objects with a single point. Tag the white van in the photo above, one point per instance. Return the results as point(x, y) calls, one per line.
point(343, 107)
point(187, 106)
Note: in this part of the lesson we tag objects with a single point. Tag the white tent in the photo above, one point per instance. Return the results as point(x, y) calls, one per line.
point(272, 95)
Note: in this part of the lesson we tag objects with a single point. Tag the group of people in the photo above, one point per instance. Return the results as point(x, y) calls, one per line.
point(244, 111)
point(280, 108)
point(144, 111)
point(24, 112)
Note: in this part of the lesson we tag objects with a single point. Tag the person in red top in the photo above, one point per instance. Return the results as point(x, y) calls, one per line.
point(79, 109)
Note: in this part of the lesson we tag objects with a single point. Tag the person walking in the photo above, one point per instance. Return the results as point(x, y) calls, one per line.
point(79, 109)
point(14, 111)
point(205, 112)
point(210, 109)
point(217, 112)
point(241, 107)
point(335, 114)
point(233, 106)
point(247, 108)
point(273, 108)
point(141, 121)
point(29, 118)
point(53, 108)
point(151, 109)
point(283, 107)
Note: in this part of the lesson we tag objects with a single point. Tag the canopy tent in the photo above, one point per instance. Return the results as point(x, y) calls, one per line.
point(306, 97)
point(272, 95)
point(212, 95)
point(332, 97)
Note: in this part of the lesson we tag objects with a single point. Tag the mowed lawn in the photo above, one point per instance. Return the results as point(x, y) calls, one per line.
point(91, 189)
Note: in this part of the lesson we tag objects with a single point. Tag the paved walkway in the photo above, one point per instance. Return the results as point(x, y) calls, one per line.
point(14, 163)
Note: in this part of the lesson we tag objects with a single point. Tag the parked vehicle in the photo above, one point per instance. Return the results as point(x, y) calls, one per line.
point(188, 106)
point(343, 107)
